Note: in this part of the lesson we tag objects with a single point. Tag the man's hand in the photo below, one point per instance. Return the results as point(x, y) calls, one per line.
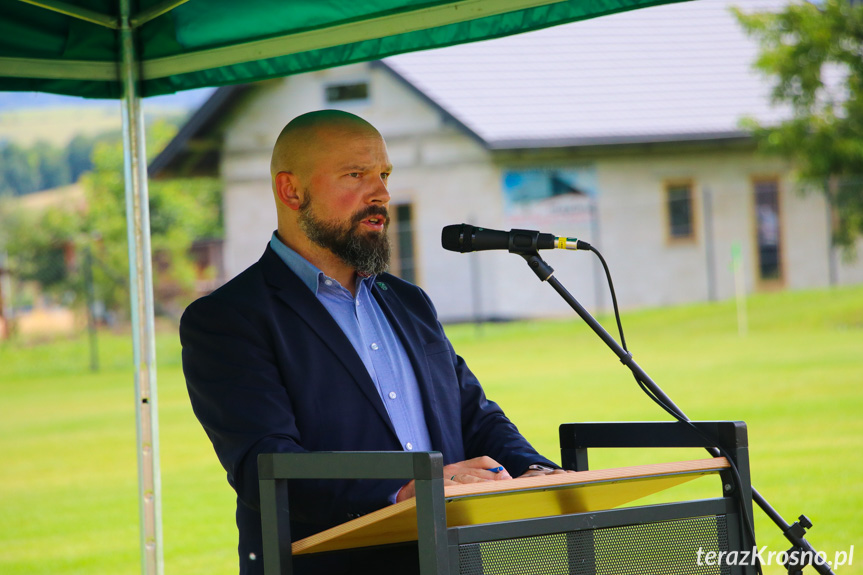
point(536, 472)
point(474, 470)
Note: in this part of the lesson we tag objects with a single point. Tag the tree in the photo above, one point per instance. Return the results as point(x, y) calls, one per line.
point(53, 166)
point(79, 153)
point(814, 52)
point(42, 166)
point(48, 246)
point(40, 243)
point(181, 211)
point(19, 170)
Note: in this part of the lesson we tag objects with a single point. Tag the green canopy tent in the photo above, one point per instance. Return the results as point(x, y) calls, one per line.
point(114, 49)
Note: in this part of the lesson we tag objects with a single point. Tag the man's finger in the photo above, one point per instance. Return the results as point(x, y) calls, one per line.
point(467, 478)
point(488, 468)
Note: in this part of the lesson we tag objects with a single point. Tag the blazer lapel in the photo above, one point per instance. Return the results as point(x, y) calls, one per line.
point(295, 294)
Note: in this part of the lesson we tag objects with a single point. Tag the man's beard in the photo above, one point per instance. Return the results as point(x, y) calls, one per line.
point(367, 253)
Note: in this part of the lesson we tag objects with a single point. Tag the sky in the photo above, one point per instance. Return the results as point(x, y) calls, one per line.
point(22, 100)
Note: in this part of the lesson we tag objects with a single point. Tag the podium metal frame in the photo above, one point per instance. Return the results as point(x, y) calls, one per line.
point(425, 468)
point(439, 546)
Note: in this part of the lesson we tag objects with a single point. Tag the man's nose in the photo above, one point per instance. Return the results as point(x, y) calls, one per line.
point(379, 194)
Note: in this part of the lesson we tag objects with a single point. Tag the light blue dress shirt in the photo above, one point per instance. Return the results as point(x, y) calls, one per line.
point(372, 336)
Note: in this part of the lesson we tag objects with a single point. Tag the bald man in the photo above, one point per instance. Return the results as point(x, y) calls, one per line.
point(316, 348)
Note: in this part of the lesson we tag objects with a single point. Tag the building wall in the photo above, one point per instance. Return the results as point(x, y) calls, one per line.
point(661, 271)
point(655, 271)
point(449, 177)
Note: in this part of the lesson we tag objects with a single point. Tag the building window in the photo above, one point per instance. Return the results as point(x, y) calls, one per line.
point(401, 230)
point(678, 200)
point(768, 230)
point(347, 92)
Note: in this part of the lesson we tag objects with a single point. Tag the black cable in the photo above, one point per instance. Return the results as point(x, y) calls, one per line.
point(613, 296)
point(750, 528)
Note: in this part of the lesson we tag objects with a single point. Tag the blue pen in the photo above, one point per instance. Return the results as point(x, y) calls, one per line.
point(495, 469)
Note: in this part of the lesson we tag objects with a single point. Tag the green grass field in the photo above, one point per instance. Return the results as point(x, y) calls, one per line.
point(68, 478)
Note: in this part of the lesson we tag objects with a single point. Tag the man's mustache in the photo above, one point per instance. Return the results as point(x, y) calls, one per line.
point(371, 211)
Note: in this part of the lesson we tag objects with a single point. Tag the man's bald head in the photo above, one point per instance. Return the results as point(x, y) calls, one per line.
point(308, 135)
point(341, 162)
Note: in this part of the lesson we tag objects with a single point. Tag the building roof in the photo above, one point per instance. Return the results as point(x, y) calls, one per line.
point(192, 150)
point(668, 73)
point(675, 73)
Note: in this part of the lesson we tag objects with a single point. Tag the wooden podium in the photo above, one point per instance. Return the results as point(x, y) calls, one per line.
point(569, 523)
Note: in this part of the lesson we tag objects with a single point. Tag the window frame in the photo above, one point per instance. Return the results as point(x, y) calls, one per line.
point(692, 236)
point(395, 246)
point(768, 284)
point(348, 84)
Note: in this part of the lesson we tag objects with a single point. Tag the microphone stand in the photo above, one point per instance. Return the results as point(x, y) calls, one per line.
point(800, 547)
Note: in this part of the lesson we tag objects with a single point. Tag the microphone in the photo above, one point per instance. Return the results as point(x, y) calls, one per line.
point(465, 238)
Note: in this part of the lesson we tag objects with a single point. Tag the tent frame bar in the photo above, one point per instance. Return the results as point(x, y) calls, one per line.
point(351, 32)
point(76, 12)
point(58, 70)
point(154, 12)
point(105, 20)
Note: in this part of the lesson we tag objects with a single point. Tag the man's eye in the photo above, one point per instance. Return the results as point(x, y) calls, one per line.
point(385, 176)
point(354, 174)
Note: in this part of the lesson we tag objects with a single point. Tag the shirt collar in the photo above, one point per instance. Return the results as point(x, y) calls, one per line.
point(308, 273)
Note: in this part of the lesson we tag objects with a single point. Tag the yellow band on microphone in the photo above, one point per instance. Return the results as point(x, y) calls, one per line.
point(561, 243)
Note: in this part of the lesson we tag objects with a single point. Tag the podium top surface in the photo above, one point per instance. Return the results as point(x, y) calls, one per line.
point(514, 499)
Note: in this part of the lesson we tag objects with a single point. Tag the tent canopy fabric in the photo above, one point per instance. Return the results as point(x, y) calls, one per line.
point(73, 47)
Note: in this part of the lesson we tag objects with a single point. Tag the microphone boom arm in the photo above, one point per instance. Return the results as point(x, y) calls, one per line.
point(795, 532)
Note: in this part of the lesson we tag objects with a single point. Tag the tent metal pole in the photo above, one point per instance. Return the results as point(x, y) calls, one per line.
point(142, 309)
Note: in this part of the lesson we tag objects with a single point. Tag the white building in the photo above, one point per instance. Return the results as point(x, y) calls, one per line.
point(623, 131)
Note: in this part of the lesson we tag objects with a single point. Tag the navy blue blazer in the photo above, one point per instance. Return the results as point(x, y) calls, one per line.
point(269, 370)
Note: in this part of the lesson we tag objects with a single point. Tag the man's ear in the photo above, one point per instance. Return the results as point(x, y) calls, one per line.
point(286, 190)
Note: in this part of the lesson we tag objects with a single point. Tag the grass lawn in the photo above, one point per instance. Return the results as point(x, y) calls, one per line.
point(68, 481)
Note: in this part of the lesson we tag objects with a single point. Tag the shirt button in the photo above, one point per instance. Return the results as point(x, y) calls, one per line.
point(328, 282)
point(374, 346)
point(393, 395)
point(409, 446)
point(357, 303)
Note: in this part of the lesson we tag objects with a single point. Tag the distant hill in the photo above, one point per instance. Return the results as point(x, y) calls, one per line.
point(57, 125)
point(28, 117)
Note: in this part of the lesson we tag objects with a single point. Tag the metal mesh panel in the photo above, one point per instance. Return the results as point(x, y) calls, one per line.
point(661, 548)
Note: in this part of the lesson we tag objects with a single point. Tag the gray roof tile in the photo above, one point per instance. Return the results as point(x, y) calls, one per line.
point(662, 73)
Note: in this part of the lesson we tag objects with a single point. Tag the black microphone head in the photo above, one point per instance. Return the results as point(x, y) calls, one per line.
point(457, 238)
